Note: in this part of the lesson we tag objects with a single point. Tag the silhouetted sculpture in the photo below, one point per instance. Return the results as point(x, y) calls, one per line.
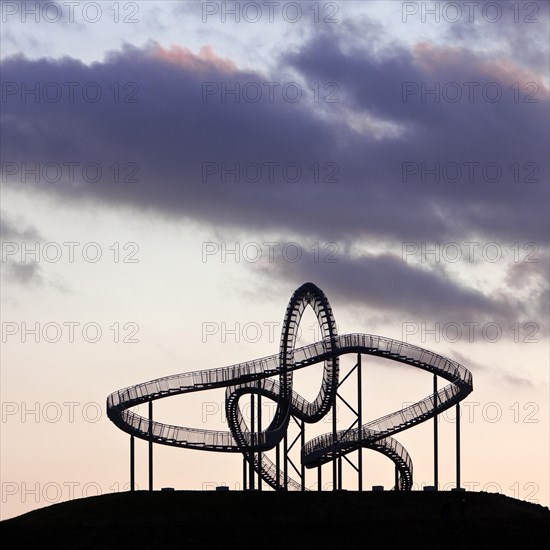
point(271, 377)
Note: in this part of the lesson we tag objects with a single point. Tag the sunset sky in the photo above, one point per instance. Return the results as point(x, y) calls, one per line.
point(173, 171)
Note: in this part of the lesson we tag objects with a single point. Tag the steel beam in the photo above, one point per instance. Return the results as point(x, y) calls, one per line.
point(458, 445)
point(252, 474)
point(359, 424)
point(132, 464)
point(259, 436)
point(334, 454)
point(278, 466)
point(150, 445)
point(436, 450)
point(302, 443)
point(285, 461)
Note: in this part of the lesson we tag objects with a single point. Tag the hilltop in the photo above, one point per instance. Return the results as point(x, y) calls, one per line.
point(310, 520)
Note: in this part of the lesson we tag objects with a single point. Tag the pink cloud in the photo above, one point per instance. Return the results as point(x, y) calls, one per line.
point(184, 57)
point(431, 58)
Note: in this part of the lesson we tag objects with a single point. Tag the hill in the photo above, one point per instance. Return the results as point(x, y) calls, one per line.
point(346, 520)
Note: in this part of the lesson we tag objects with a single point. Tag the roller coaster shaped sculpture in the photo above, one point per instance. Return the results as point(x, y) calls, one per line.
point(259, 377)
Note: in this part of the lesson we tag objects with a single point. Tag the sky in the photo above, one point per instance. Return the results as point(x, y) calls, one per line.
point(173, 171)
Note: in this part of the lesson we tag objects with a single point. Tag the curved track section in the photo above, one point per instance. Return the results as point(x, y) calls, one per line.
point(258, 377)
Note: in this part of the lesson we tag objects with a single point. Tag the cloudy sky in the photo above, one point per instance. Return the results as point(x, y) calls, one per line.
point(172, 171)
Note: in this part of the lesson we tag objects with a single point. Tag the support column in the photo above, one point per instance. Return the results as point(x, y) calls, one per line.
point(360, 424)
point(259, 436)
point(334, 454)
point(319, 482)
point(285, 461)
point(436, 450)
point(278, 465)
point(150, 445)
point(132, 464)
point(302, 443)
point(252, 440)
point(245, 469)
point(339, 473)
point(458, 445)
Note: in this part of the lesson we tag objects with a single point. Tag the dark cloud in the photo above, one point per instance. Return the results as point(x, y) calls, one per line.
point(171, 131)
point(384, 283)
point(15, 229)
point(519, 33)
point(25, 274)
point(441, 132)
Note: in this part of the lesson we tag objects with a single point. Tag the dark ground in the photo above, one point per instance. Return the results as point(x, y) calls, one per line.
point(342, 520)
